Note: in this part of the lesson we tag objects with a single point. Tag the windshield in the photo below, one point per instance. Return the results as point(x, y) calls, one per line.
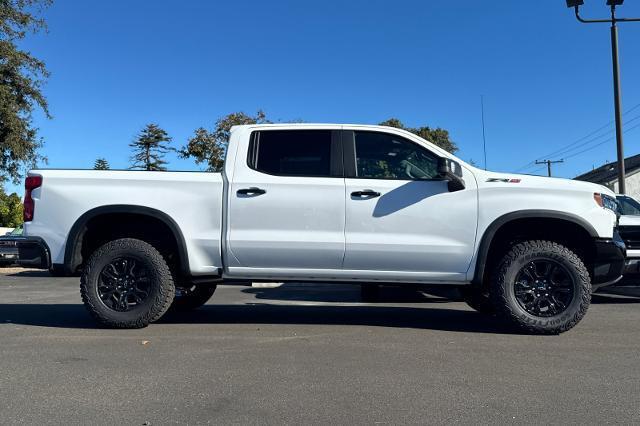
point(628, 206)
point(16, 231)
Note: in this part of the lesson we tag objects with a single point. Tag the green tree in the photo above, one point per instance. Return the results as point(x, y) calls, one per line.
point(149, 148)
point(437, 136)
point(10, 210)
point(21, 79)
point(101, 164)
point(209, 147)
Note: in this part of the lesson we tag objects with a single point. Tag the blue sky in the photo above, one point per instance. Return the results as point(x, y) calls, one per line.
point(546, 79)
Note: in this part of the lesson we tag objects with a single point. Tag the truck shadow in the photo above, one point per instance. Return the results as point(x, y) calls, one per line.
point(338, 306)
point(351, 293)
point(442, 319)
point(74, 316)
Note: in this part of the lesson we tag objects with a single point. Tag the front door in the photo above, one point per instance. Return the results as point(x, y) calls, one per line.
point(401, 220)
point(286, 204)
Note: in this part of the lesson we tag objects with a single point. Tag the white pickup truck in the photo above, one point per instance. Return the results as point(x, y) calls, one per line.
point(328, 203)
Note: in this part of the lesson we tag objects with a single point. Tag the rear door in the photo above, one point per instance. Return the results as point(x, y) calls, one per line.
point(401, 219)
point(287, 204)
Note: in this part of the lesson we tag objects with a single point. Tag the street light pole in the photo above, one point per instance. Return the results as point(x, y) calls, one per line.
point(617, 95)
point(617, 91)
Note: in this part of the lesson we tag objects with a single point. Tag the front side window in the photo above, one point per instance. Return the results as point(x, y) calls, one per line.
point(387, 156)
point(628, 206)
point(292, 152)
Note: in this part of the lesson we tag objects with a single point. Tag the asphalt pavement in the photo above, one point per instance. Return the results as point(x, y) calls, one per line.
point(309, 354)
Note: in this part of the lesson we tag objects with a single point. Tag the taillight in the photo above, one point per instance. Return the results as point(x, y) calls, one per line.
point(31, 183)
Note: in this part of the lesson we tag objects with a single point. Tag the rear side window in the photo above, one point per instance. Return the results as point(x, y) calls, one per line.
point(291, 152)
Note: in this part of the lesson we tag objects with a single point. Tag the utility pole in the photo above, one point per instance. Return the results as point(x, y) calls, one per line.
point(549, 163)
point(617, 91)
point(618, 101)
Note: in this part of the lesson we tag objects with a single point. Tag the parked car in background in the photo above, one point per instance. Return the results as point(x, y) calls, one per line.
point(629, 229)
point(629, 225)
point(326, 202)
point(8, 247)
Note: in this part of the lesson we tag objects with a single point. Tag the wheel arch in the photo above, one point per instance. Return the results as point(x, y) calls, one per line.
point(501, 223)
point(73, 246)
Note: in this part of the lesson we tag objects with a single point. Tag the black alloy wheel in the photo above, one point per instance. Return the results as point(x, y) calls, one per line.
point(544, 288)
point(124, 284)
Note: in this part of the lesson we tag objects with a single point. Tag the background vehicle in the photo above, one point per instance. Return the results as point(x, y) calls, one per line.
point(8, 247)
point(340, 203)
point(629, 229)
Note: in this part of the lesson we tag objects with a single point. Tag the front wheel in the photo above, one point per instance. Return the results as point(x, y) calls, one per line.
point(541, 287)
point(127, 284)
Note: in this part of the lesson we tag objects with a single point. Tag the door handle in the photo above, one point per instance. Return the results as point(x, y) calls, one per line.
point(251, 191)
point(365, 193)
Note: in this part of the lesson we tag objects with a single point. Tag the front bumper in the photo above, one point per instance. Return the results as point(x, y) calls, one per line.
point(33, 252)
point(609, 261)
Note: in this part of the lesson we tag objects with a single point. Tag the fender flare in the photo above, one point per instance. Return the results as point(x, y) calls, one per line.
point(73, 246)
point(492, 229)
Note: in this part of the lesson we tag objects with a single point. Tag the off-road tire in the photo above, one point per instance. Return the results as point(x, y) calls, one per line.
point(478, 299)
point(503, 290)
point(161, 290)
point(193, 298)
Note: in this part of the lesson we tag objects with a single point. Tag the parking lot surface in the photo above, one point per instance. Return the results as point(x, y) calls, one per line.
point(309, 354)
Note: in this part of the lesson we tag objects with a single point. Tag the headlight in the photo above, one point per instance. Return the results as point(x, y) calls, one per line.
point(606, 202)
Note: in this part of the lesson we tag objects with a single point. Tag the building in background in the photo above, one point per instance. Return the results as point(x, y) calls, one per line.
point(607, 175)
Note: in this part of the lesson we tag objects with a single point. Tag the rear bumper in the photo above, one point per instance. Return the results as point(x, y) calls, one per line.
point(609, 262)
point(33, 252)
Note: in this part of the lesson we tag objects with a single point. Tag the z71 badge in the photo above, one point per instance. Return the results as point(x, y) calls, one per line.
point(503, 180)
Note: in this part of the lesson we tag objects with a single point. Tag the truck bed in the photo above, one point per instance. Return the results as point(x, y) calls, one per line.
point(193, 200)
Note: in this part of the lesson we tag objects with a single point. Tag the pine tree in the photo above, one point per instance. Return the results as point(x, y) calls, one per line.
point(149, 148)
point(101, 164)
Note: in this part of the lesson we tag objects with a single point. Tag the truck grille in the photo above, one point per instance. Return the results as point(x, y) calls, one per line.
point(631, 236)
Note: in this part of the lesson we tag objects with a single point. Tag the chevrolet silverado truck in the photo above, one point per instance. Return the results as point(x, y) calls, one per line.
point(326, 203)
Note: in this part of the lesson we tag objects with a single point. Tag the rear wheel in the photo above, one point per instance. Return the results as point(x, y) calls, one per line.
point(541, 287)
point(192, 297)
point(127, 284)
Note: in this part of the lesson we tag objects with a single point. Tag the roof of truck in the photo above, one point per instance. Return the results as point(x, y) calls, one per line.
point(337, 125)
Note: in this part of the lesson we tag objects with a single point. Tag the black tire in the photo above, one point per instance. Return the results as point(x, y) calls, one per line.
point(187, 299)
point(570, 296)
point(156, 297)
point(478, 299)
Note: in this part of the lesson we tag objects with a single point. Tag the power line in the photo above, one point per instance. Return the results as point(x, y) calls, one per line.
point(537, 170)
point(554, 153)
point(601, 143)
point(587, 149)
point(559, 153)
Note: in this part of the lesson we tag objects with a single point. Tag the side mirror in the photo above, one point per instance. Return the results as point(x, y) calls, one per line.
point(451, 171)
